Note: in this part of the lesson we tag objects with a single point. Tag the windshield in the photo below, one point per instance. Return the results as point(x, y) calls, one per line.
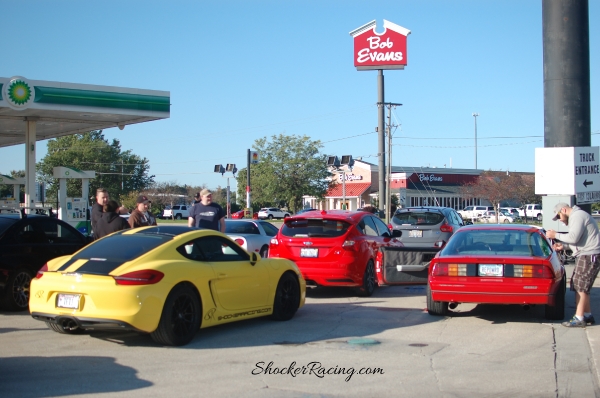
point(498, 242)
point(418, 218)
point(310, 227)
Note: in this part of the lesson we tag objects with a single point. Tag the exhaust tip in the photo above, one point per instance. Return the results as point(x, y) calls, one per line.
point(526, 307)
point(452, 305)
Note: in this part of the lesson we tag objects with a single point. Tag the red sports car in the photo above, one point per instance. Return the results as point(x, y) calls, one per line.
point(334, 247)
point(238, 214)
point(497, 264)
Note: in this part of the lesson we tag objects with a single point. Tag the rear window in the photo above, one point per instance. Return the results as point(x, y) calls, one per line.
point(311, 227)
point(241, 227)
point(418, 218)
point(501, 243)
point(122, 247)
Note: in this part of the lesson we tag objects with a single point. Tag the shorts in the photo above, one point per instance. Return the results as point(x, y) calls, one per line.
point(586, 270)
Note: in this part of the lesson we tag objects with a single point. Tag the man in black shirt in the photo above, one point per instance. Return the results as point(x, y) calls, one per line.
point(97, 208)
point(206, 214)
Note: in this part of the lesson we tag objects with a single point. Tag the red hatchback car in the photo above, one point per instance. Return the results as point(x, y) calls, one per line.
point(497, 264)
point(334, 247)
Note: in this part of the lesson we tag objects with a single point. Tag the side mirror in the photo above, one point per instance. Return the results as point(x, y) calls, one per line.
point(396, 233)
point(254, 258)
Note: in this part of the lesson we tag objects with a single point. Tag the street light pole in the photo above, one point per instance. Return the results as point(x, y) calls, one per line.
point(475, 114)
point(344, 190)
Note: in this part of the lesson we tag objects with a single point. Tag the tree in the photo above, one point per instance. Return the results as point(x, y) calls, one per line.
point(120, 172)
point(499, 186)
point(289, 168)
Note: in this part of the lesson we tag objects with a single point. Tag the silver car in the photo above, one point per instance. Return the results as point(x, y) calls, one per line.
point(252, 235)
point(427, 226)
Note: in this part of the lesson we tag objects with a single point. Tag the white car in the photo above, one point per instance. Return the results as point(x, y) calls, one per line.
point(474, 212)
point(272, 212)
point(490, 217)
point(178, 212)
point(252, 235)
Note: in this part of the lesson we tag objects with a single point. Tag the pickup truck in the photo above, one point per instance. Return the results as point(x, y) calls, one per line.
point(532, 210)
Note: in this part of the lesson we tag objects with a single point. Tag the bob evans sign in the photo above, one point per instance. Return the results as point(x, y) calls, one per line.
point(380, 51)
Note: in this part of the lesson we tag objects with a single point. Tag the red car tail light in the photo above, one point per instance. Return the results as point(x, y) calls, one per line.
point(391, 227)
point(274, 241)
point(532, 271)
point(348, 244)
point(442, 269)
point(446, 227)
point(145, 277)
point(378, 261)
point(40, 273)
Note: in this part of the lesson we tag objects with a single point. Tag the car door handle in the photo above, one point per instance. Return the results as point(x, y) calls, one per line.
point(221, 275)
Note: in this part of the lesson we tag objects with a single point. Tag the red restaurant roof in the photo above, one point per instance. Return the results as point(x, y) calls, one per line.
point(352, 189)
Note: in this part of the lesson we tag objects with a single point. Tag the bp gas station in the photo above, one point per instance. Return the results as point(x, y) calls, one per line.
point(36, 110)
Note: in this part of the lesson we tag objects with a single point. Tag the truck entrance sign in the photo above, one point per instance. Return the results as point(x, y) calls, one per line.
point(568, 171)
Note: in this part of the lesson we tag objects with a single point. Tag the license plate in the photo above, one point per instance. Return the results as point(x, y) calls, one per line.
point(415, 233)
point(304, 252)
point(490, 269)
point(68, 301)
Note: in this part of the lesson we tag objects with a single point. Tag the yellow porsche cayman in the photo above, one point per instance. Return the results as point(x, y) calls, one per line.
point(168, 281)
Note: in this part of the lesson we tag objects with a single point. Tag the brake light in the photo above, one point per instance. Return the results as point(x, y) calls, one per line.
point(378, 261)
point(145, 277)
point(532, 271)
point(274, 241)
point(441, 269)
point(391, 227)
point(446, 227)
point(40, 273)
point(239, 241)
point(348, 244)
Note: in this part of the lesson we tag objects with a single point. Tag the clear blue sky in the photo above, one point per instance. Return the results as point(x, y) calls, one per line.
point(242, 70)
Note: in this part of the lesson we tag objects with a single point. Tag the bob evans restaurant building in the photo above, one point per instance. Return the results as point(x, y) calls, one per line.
point(414, 186)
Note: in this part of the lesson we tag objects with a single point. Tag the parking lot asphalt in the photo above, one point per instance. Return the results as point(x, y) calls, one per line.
point(337, 345)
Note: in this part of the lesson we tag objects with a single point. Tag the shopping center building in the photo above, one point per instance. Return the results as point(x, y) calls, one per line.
point(414, 186)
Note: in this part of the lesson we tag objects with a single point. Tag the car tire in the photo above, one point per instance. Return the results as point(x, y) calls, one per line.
point(180, 318)
point(178, 217)
point(16, 290)
point(270, 217)
point(264, 251)
point(557, 311)
point(287, 298)
point(506, 221)
point(540, 218)
point(436, 307)
point(368, 282)
point(286, 215)
point(64, 329)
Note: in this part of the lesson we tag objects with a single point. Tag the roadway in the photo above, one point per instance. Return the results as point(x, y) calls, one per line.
point(480, 350)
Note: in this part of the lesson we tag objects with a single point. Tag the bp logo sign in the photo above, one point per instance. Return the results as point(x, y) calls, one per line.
point(18, 93)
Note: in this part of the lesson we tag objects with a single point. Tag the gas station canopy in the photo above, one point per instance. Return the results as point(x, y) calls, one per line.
point(33, 110)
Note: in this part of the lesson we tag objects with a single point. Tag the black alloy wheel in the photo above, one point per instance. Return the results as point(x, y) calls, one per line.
point(16, 290)
point(287, 298)
point(180, 318)
point(264, 251)
point(369, 284)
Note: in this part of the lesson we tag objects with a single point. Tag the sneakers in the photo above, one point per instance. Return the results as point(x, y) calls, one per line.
point(589, 320)
point(575, 323)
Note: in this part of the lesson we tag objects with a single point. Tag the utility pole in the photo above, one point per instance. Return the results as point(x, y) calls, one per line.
point(475, 114)
point(388, 197)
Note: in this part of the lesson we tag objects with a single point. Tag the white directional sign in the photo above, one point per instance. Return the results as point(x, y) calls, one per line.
point(568, 171)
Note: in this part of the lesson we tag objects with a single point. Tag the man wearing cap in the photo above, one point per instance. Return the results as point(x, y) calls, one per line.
point(583, 239)
point(206, 214)
point(141, 217)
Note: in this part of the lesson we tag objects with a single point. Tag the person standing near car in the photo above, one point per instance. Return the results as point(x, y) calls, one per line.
point(98, 208)
point(141, 217)
point(110, 221)
point(583, 239)
point(206, 214)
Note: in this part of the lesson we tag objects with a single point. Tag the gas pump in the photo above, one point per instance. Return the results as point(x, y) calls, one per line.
point(74, 210)
point(11, 203)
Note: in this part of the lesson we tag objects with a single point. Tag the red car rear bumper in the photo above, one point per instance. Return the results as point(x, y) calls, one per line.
point(340, 273)
point(494, 291)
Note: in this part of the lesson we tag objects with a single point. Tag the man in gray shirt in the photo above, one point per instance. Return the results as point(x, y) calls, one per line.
point(583, 239)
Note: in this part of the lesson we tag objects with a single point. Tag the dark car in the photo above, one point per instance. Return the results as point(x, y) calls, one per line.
point(26, 244)
point(427, 226)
